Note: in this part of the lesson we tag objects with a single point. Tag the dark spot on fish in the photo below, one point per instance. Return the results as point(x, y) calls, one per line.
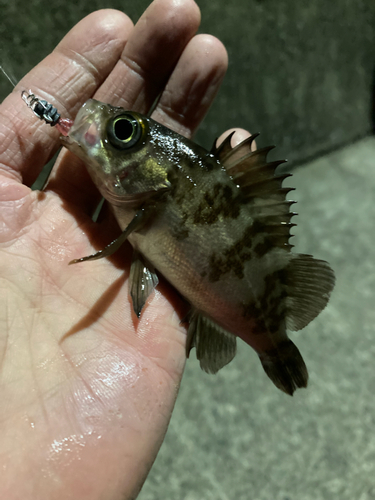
point(274, 324)
point(274, 300)
point(257, 227)
point(282, 276)
point(275, 231)
point(251, 310)
point(285, 348)
point(220, 265)
point(220, 201)
point(180, 233)
point(264, 247)
point(227, 193)
point(182, 188)
point(260, 327)
point(267, 243)
point(232, 259)
point(210, 163)
point(270, 311)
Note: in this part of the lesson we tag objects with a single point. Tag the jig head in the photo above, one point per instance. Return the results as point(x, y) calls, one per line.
point(45, 111)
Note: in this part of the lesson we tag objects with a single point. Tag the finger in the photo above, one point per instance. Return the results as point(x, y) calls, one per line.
point(66, 78)
point(151, 54)
point(193, 85)
point(183, 104)
point(239, 136)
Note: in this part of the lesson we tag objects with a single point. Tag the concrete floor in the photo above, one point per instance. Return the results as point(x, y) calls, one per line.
point(233, 436)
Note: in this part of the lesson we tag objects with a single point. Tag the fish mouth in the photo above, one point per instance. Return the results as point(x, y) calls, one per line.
point(66, 141)
point(85, 129)
point(131, 200)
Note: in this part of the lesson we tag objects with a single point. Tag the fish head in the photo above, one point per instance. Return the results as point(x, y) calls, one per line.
point(117, 148)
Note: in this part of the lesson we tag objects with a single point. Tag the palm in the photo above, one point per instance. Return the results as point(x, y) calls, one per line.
point(87, 389)
point(83, 371)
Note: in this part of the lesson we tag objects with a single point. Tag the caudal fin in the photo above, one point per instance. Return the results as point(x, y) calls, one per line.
point(285, 367)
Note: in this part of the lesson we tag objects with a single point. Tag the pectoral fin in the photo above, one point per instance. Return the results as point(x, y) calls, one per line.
point(135, 224)
point(215, 346)
point(142, 281)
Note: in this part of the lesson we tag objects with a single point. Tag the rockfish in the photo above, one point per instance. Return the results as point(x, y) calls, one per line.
point(216, 225)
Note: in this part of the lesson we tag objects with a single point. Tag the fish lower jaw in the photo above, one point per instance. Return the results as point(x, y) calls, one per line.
point(126, 200)
point(66, 141)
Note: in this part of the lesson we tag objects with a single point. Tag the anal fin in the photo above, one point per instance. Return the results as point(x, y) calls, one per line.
point(215, 346)
point(285, 367)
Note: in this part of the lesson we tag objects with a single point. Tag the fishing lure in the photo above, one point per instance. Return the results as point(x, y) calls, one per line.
point(46, 112)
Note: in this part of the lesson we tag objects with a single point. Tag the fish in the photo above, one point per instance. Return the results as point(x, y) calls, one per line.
point(216, 224)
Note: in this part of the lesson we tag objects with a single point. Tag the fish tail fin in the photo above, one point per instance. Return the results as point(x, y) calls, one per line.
point(285, 367)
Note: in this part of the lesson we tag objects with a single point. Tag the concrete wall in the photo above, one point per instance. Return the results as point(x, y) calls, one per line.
point(301, 73)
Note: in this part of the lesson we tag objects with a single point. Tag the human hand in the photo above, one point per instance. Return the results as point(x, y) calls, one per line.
point(86, 388)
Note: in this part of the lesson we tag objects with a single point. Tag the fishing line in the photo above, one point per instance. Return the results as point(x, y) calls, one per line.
point(11, 80)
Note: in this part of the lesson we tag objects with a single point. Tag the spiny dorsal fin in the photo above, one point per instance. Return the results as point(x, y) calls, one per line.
point(238, 163)
point(215, 346)
point(225, 149)
point(262, 190)
point(309, 283)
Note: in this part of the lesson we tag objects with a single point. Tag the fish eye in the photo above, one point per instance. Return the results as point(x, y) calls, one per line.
point(124, 131)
